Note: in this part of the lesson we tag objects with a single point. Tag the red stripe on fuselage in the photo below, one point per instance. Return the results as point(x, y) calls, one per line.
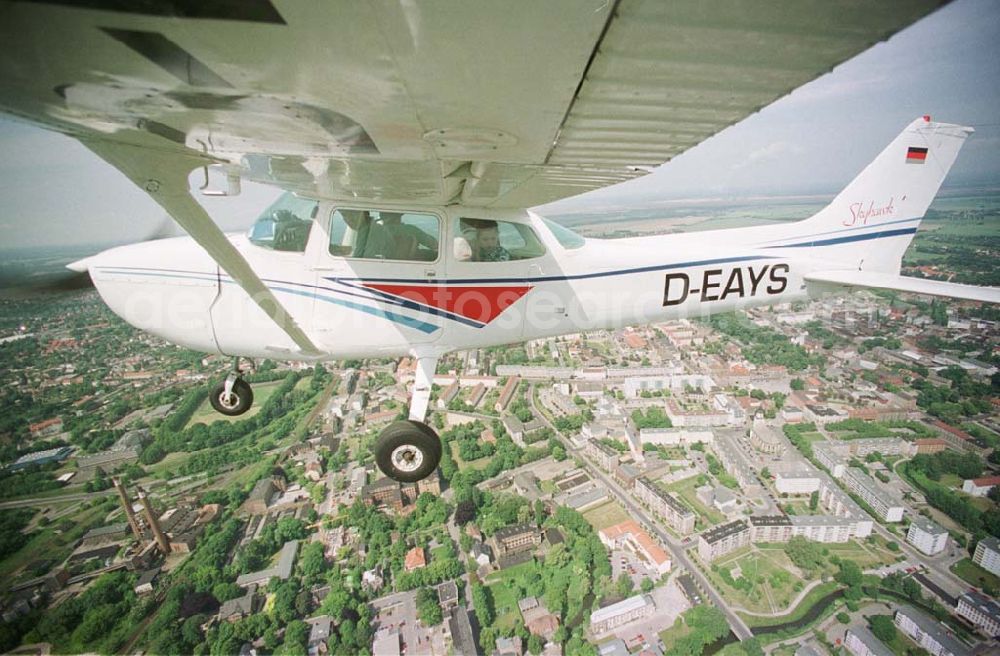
point(478, 303)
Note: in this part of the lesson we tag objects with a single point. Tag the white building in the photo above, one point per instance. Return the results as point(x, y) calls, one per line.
point(987, 555)
point(982, 611)
point(796, 483)
point(980, 487)
point(675, 436)
point(929, 633)
point(928, 536)
point(615, 615)
point(861, 484)
point(862, 642)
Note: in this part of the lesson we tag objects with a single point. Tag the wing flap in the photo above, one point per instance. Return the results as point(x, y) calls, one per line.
point(906, 284)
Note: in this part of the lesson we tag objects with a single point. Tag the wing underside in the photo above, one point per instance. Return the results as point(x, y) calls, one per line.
point(506, 104)
point(893, 282)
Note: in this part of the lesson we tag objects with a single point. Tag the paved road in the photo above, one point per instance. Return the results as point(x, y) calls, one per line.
point(676, 549)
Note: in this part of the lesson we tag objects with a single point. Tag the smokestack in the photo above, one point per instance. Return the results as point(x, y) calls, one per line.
point(154, 525)
point(132, 521)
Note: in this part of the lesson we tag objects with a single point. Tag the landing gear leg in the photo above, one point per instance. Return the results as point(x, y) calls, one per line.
point(233, 396)
point(409, 450)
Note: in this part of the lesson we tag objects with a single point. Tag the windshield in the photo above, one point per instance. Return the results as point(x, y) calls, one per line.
point(285, 225)
point(566, 237)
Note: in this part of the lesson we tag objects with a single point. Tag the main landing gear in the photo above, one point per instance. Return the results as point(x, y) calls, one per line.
point(409, 451)
point(233, 396)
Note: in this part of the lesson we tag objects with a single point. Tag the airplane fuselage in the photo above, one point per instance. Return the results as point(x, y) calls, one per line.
point(381, 308)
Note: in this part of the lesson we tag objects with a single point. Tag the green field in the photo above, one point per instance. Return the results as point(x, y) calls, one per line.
point(807, 602)
point(261, 393)
point(605, 515)
point(773, 585)
point(505, 591)
point(975, 575)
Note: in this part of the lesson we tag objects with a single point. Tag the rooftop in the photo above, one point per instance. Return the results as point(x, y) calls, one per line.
point(624, 606)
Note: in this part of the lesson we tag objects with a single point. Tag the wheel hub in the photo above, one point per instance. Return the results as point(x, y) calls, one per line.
point(229, 400)
point(407, 458)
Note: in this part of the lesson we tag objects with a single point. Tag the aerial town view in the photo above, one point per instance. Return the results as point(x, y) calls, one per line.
point(807, 479)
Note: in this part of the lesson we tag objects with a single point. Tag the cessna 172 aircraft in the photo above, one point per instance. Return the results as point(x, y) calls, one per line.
point(411, 136)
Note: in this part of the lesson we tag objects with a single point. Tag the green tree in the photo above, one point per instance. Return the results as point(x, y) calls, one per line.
point(882, 627)
point(428, 609)
point(814, 500)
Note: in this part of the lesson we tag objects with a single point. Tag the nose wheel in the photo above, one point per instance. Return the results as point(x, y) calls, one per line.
point(408, 451)
point(231, 397)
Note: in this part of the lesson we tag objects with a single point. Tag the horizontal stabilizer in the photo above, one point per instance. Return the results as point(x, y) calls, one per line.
point(906, 284)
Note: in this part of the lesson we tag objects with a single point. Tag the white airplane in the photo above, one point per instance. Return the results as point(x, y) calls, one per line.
point(410, 141)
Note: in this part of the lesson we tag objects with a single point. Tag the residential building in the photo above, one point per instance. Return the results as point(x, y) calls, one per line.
point(507, 393)
point(538, 620)
point(282, 570)
point(885, 506)
point(629, 536)
point(415, 559)
point(823, 528)
point(515, 539)
point(930, 445)
point(928, 536)
point(766, 438)
point(236, 609)
point(770, 528)
point(980, 487)
point(602, 454)
point(981, 611)
point(862, 642)
point(929, 633)
point(675, 436)
point(722, 539)
point(623, 612)
point(796, 482)
point(678, 516)
point(987, 555)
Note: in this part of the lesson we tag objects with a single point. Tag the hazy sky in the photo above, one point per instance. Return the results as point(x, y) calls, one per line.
point(54, 192)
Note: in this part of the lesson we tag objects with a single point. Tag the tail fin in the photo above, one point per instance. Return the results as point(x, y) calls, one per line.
point(869, 225)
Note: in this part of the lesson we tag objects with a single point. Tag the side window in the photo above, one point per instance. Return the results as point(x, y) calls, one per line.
point(487, 240)
point(285, 225)
point(384, 235)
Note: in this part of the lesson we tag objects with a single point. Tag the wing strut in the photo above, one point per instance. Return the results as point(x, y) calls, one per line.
point(164, 176)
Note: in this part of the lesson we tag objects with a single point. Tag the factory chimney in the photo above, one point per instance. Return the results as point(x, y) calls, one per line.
point(127, 505)
point(154, 524)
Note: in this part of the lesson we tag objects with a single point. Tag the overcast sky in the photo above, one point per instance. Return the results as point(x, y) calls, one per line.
point(54, 192)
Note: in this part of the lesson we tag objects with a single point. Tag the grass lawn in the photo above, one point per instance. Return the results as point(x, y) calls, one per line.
point(814, 437)
point(773, 586)
point(476, 464)
point(673, 634)
point(975, 575)
point(867, 556)
point(951, 480)
point(605, 515)
point(261, 393)
point(303, 383)
point(505, 591)
point(685, 490)
point(810, 599)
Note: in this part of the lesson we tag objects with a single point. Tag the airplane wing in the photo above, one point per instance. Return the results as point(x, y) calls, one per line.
point(906, 284)
point(506, 104)
point(502, 104)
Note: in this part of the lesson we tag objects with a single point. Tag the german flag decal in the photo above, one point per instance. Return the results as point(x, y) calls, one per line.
point(916, 155)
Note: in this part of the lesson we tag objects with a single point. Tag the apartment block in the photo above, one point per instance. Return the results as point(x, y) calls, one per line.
point(678, 516)
point(930, 537)
point(722, 539)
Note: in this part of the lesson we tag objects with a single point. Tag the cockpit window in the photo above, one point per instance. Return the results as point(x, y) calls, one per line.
point(285, 225)
point(384, 235)
point(488, 240)
point(566, 237)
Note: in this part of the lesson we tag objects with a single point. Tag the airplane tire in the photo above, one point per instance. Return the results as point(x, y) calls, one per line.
point(238, 403)
point(408, 451)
